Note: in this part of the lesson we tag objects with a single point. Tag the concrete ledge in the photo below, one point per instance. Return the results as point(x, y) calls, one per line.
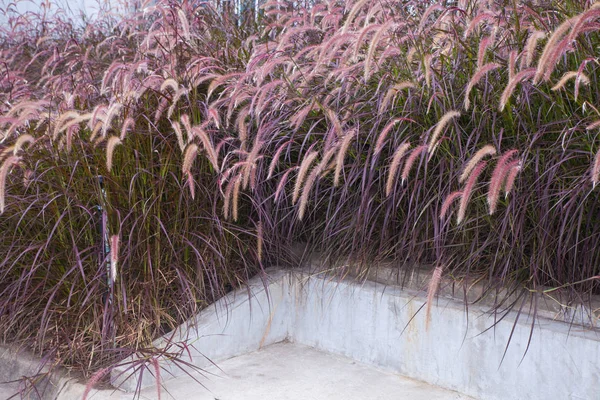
point(383, 325)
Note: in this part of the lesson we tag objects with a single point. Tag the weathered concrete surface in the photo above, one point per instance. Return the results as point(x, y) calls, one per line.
point(286, 371)
point(376, 324)
point(23, 377)
point(385, 326)
point(239, 323)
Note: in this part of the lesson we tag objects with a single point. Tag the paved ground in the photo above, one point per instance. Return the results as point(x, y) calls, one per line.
point(287, 371)
point(283, 371)
point(9, 389)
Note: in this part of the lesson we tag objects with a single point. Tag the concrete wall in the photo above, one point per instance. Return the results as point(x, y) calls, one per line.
point(385, 326)
point(239, 323)
point(376, 324)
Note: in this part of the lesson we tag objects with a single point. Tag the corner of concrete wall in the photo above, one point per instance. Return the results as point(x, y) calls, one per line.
point(243, 321)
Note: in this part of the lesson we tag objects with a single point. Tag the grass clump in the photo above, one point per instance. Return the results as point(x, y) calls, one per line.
point(462, 135)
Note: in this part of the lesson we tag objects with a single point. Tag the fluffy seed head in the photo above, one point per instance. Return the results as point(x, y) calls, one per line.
point(448, 202)
point(498, 177)
point(440, 127)
point(414, 154)
point(21, 141)
point(395, 165)
point(4, 170)
point(434, 285)
point(530, 46)
point(341, 154)
point(487, 150)
point(468, 190)
point(190, 156)
point(304, 167)
point(596, 169)
point(113, 142)
point(114, 256)
point(512, 84)
point(513, 170)
point(481, 72)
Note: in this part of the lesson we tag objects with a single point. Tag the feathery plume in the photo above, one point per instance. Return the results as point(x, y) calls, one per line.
point(353, 12)
point(392, 92)
point(174, 101)
point(364, 32)
point(578, 76)
point(448, 202)
point(373, 46)
point(113, 111)
point(179, 134)
point(4, 170)
point(427, 66)
point(305, 193)
point(512, 62)
point(191, 184)
point(185, 120)
point(162, 105)
point(185, 25)
point(487, 150)
point(498, 177)
point(21, 141)
point(434, 285)
point(236, 197)
point(468, 189)
point(154, 362)
point(298, 118)
point(440, 127)
point(59, 124)
point(530, 46)
point(113, 142)
point(337, 126)
point(394, 166)
point(341, 155)
point(242, 127)
point(513, 170)
point(383, 135)
point(414, 154)
point(476, 78)
point(93, 380)
point(595, 171)
point(593, 125)
point(322, 166)
point(484, 16)
point(128, 125)
point(483, 45)
point(6, 152)
point(512, 84)
point(190, 156)
point(304, 167)
point(208, 147)
point(252, 157)
point(259, 240)
point(170, 83)
point(282, 183)
point(228, 195)
point(114, 256)
point(543, 63)
point(570, 75)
